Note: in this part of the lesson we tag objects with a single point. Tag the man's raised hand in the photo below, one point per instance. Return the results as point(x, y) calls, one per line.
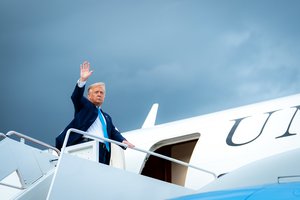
point(85, 71)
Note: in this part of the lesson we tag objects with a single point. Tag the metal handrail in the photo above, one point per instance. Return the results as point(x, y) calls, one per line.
point(2, 135)
point(22, 136)
point(72, 130)
point(12, 186)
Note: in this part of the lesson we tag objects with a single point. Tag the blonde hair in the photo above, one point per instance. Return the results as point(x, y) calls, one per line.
point(96, 84)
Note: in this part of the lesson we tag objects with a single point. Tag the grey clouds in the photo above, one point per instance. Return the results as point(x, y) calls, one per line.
point(192, 57)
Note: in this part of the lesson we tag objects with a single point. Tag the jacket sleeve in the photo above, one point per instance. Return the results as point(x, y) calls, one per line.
point(113, 131)
point(77, 97)
point(116, 135)
point(78, 102)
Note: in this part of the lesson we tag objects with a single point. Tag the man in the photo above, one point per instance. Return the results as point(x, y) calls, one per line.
point(89, 116)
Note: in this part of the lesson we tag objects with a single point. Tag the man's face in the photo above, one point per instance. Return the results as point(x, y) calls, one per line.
point(96, 95)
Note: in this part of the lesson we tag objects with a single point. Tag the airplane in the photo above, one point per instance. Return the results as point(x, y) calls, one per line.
point(248, 152)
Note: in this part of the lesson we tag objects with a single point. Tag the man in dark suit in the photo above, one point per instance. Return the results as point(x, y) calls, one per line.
point(89, 116)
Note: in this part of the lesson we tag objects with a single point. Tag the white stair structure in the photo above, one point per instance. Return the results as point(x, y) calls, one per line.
point(25, 172)
point(78, 178)
point(31, 173)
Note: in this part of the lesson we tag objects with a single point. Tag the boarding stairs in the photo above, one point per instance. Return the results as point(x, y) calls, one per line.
point(28, 172)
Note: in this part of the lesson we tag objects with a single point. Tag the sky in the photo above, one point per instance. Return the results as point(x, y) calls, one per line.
point(193, 57)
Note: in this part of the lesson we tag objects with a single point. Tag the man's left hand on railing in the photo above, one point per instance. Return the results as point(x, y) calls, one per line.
point(128, 143)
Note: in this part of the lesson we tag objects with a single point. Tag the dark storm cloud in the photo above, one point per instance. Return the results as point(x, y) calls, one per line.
point(192, 57)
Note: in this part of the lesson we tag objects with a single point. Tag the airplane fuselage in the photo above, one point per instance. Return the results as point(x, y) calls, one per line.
point(219, 142)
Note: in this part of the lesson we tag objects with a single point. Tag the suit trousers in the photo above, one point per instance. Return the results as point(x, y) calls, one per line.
point(104, 155)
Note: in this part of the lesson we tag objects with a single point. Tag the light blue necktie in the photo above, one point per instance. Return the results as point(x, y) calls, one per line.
point(103, 128)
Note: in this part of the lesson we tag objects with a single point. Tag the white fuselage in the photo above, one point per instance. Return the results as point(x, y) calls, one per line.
point(224, 141)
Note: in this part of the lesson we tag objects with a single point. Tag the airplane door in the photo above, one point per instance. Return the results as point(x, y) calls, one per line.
point(178, 148)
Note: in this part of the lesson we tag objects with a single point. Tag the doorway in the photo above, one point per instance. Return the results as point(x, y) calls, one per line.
point(178, 148)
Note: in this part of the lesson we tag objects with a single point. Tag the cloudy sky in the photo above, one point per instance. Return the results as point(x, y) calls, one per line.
point(191, 56)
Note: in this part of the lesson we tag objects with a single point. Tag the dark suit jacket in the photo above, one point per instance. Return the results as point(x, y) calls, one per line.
point(85, 115)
